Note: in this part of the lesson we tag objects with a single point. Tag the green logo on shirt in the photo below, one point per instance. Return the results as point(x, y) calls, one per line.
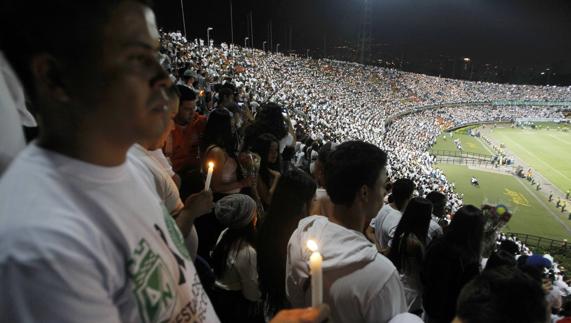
point(175, 235)
point(154, 288)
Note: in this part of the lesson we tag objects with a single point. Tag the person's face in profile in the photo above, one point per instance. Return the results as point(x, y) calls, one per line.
point(126, 92)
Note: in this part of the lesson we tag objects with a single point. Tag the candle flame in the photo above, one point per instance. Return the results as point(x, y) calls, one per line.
point(210, 165)
point(312, 245)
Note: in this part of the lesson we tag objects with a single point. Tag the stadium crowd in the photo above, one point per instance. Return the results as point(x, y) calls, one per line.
point(185, 187)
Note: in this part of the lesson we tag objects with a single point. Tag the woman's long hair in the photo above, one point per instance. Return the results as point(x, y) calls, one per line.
point(262, 146)
point(413, 224)
point(222, 250)
point(290, 202)
point(466, 232)
point(219, 131)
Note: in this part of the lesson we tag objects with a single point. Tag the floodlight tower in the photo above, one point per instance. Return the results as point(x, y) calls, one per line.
point(365, 37)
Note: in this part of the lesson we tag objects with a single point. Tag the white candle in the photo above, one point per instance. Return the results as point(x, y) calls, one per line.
point(209, 176)
point(316, 271)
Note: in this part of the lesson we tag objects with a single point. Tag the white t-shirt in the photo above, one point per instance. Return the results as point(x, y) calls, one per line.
point(159, 155)
point(167, 190)
point(385, 225)
point(93, 244)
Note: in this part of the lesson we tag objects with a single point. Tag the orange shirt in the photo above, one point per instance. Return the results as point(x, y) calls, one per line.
point(183, 144)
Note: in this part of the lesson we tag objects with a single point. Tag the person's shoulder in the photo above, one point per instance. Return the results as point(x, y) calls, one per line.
point(60, 232)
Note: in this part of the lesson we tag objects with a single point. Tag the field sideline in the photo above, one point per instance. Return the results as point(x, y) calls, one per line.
point(546, 151)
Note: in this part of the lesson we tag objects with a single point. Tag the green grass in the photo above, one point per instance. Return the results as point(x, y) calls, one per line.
point(469, 144)
point(547, 151)
point(529, 214)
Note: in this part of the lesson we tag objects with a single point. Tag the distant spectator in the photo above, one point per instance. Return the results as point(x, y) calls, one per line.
point(451, 262)
point(290, 203)
point(385, 223)
point(237, 294)
point(408, 249)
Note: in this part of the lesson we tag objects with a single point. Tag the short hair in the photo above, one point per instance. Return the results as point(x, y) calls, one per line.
point(503, 295)
point(225, 91)
point(501, 258)
point(186, 94)
point(352, 165)
point(73, 36)
point(438, 203)
point(402, 191)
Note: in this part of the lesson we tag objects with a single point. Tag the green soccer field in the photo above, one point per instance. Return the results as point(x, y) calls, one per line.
point(445, 143)
point(546, 150)
point(532, 212)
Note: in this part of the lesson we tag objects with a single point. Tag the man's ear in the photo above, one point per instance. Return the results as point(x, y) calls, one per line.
point(364, 193)
point(48, 78)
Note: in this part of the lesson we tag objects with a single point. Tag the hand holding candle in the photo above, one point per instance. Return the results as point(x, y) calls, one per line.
point(316, 271)
point(209, 176)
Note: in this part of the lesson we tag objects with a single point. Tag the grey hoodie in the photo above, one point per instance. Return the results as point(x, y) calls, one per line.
point(360, 284)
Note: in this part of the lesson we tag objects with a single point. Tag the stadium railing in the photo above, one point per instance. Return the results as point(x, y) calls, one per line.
point(542, 243)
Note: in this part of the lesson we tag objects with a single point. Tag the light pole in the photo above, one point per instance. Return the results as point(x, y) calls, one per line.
point(183, 20)
point(264, 45)
point(208, 35)
point(467, 61)
point(246, 41)
point(277, 47)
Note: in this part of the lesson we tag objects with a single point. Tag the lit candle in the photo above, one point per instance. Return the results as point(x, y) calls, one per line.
point(316, 270)
point(209, 176)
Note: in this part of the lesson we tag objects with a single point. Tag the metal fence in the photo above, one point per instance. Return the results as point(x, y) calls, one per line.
point(465, 158)
point(546, 244)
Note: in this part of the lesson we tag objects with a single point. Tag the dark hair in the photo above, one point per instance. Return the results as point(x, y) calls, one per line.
point(352, 165)
point(415, 221)
point(402, 191)
point(466, 231)
point(223, 248)
point(509, 246)
point(223, 92)
point(218, 131)
point(501, 258)
point(324, 152)
point(186, 94)
point(262, 146)
point(502, 295)
point(270, 119)
point(294, 191)
point(71, 31)
point(438, 203)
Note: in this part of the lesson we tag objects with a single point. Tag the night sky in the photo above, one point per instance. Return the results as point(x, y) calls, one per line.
point(507, 32)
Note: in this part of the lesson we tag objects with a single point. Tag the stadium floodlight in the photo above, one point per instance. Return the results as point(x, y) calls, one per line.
point(246, 41)
point(183, 19)
point(467, 59)
point(208, 35)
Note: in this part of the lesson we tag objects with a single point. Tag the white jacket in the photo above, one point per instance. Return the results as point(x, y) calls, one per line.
point(360, 284)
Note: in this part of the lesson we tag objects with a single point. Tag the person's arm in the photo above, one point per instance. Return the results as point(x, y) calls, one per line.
point(389, 302)
point(195, 206)
point(263, 191)
point(303, 315)
point(219, 157)
point(246, 266)
point(176, 180)
point(276, 176)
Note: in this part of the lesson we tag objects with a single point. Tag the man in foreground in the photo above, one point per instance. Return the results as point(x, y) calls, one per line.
point(360, 284)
